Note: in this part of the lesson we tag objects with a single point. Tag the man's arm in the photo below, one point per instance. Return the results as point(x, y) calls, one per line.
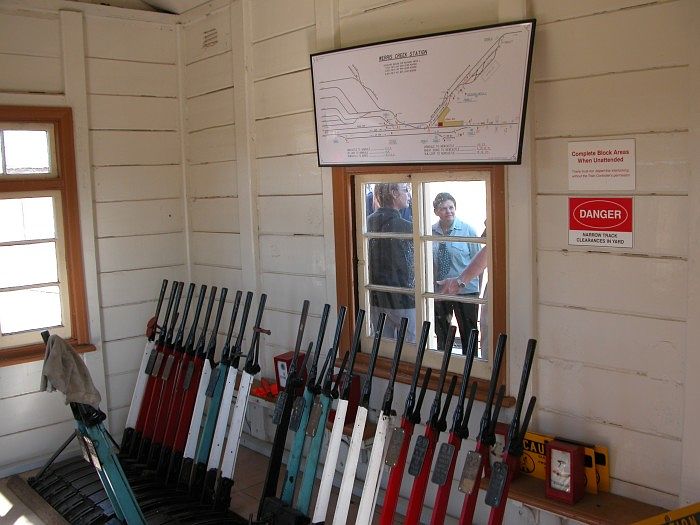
point(475, 267)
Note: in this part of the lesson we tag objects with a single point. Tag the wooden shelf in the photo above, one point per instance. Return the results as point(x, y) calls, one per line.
point(597, 509)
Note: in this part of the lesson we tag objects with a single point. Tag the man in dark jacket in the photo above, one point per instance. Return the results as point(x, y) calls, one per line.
point(391, 260)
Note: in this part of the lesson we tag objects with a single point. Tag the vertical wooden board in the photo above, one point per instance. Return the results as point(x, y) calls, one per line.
point(296, 254)
point(125, 321)
point(614, 283)
point(652, 348)
point(613, 104)
point(21, 379)
point(660, 225)
point(288, 292)
point(210, 110)
point(658, 35)
point(274, 17)
point(129, 183)
point(283, 54)
point(120, 388)
point(123, 356)
point(119, 219)
point(31, 74)
point(208, 36)
point(144, 251)
point(31, 446)
point(220, 277)
point(132, 113)
point(135, 286)
point(134, 40)
point(129, 148)
point(217, 179)
point(209, 75)
point(284, 94)
point(634, 455)
point(292, 174)
point(609, 396)
point(212, 145)
point(286, 135)
point(551, 10)
point(297, 214)
point(117, 77)
point(415, 17)
point(216, 249)
point(661, 163)
point(30, 35)
point(117, 422)
point(214, 214)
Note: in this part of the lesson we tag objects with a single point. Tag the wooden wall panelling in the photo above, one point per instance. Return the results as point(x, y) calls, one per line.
point(207, 37)
point(130, 40)
point(283, 54)
point(415, 17)
point(117, 77)
point(212, 145)
point(46, 409)
point(298, 214)
point(219, 276)
point(286, 135)
point(283, 95)
point(19, 379)
point(207, 75)
point(613, 104)
point(214, 214)
point(132, 183)
point(120, 389)
point(623, 284)
point(146, 251)
point(287, 292)
point(117, 219)
point(275, 17)
point(554, 10)
point(129, 148)
point(133, 112)
point(33, 446)
point(652, 348)
point(660, 225)
point(216, 249)
point(296, 254)
point(215, 179)
point(31, 74)
point(34, 35)
point(139, 285)
point(124, 321)
point(210, 110)
point(657, 33)
point(289, 174)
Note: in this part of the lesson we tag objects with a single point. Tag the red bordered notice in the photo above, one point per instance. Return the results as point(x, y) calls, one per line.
point(601, 221)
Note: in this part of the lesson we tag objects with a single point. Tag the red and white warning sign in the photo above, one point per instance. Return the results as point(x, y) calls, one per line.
point(601, 221)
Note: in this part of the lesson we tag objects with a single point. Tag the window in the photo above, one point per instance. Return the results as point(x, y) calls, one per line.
point(409, 234)
point(41, 269)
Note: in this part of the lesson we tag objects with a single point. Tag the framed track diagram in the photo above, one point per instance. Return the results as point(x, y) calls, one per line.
point(457, 97)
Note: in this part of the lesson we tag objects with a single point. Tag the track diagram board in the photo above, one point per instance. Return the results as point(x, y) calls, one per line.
point(455, 97)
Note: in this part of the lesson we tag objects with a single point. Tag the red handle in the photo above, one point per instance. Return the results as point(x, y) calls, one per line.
point(420, 482)
point(496, 514)
point(166, 397)
point(152, 411)
point(443, 491)
point(396, 476)
point(175, 411)
point(183, 426)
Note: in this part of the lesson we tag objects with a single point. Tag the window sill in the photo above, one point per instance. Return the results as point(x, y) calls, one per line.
point(35, 352)
point(405, 374)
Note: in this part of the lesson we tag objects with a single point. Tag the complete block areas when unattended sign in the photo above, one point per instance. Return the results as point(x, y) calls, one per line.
point(601, 221)
point(602, 165)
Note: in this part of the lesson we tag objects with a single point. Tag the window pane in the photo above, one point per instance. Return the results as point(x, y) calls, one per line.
point(447, 201)
point(448, 260)
point(27, 264)
point(27, 219)
point(371, 203)
point(463, 315)
point(26, 151)
point(395, 306)
point(22, 310)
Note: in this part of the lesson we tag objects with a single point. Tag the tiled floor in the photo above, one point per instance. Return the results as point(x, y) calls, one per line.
point(249, 480)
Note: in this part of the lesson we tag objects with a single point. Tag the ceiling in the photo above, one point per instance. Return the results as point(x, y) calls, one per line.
point(165, 6)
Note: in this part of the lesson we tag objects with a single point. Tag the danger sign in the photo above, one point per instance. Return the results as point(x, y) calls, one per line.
point(600, 221)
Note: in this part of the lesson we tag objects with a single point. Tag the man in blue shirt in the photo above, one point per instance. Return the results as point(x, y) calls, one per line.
point(449, 259)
